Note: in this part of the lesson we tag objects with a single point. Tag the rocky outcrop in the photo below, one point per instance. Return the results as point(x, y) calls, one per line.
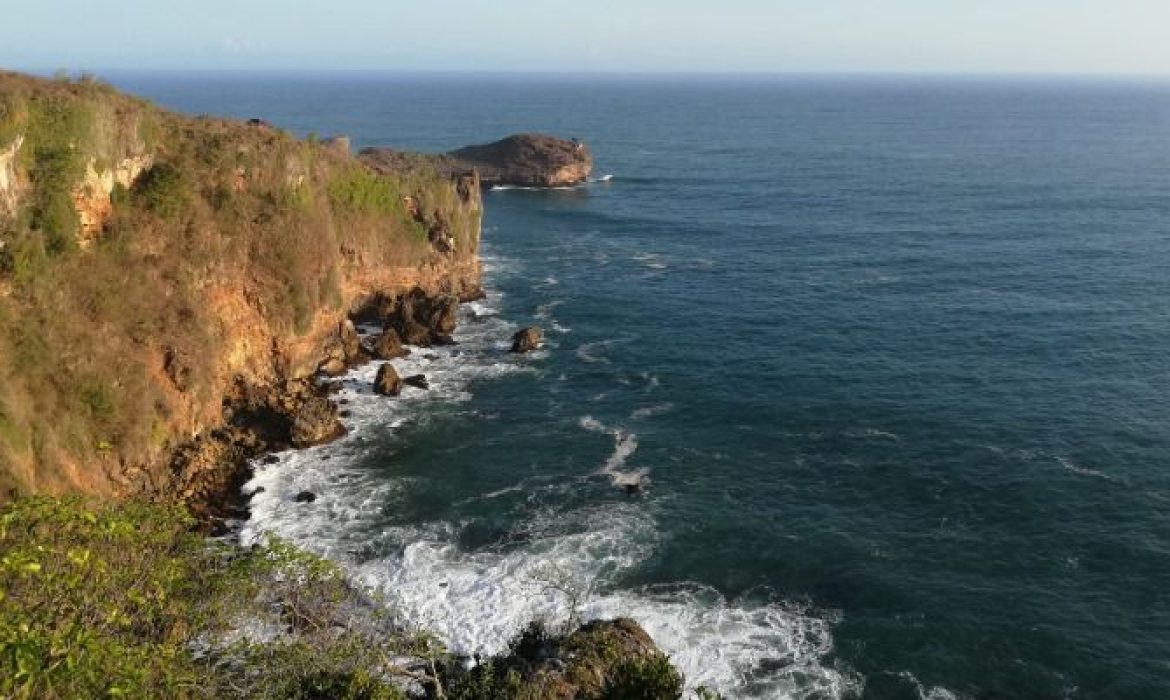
point(209, 470)
point(92, 196)
point(415, 318)
point(387, 345)
point(387, 382)
point(9, 184)
point(523, 160)
point(526, 340)
point(529, 160)
point(601, 659)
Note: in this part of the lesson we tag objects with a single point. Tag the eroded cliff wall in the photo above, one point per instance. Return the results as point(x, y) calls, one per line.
point(151, 264)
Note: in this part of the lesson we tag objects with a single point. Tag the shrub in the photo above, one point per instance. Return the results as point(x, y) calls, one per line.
point(644, 678)
point(116, 599)
point(163, 191)
point(361, 191)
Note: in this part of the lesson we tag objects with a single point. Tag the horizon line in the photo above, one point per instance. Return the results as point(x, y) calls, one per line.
point(424, 72)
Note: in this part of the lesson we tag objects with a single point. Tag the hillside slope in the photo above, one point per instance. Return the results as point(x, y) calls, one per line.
point(153, 267)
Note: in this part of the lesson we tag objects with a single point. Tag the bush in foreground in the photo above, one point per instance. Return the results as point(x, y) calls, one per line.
point(126, 599)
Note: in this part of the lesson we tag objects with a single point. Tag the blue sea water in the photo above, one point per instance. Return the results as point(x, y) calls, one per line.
point(891, 356)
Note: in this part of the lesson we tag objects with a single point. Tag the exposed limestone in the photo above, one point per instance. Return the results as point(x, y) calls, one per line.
point(9, 184)
point(91, 196)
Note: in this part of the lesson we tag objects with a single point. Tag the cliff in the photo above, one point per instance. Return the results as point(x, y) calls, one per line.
point(522, 160)
point(159, 272)
point(169, 288)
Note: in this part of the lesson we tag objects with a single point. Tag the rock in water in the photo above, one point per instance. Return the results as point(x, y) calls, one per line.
point(387, 383)
point(526, 340)
point(419, 381)
point(522, 160)
point(529, 160)
point(305, 497)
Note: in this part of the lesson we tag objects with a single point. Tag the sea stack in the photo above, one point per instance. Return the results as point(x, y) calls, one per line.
point(522, 160)
point(529, 160)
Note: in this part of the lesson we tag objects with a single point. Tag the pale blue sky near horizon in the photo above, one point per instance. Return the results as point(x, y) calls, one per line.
point(729, 36)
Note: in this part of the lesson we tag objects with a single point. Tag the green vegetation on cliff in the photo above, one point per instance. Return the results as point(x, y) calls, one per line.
point(124, 600)
point(147, 258)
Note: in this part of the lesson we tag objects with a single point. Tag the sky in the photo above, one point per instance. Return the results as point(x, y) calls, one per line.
point(683, 36)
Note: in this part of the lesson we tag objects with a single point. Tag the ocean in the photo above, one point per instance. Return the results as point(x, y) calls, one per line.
point(890, 355)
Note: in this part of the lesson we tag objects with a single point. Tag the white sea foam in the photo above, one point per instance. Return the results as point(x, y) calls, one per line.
point(1083, 471)
point(590, 353)
point(651, 411)
point(477, 600)
point(527, 188)
point(625, 443)
point(651, 260)
point(586, 352)
point(873, 433)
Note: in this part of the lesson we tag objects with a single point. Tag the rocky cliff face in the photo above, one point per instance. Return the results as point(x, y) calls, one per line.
point(92, 195)
point(161, 276)
point(9, 194)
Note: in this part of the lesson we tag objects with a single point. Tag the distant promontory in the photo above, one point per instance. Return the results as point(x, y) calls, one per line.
point(522, 160)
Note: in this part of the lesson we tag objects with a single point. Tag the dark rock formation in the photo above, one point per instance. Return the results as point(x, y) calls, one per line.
point(529, 160)
point(526, 340)
point(257, 419)
point(525, 160)
point(387, 383)
point(388, 346)
point(315, 422)
point(421, 319)
point(601, 659)
point(305, 497)
point(418, 381)
point(342, 350)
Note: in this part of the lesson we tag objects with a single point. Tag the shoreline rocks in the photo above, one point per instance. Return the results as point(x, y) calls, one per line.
point(388, 346)
point(526, 340)
point(387, 383)
point(418, 381)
